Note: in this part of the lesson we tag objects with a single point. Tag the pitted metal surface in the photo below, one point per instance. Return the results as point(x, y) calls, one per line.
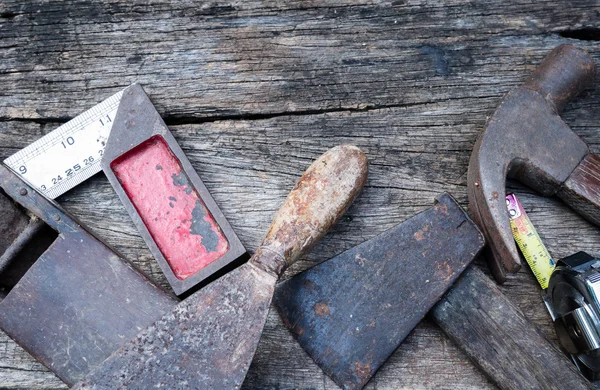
point(80, 300)
point(208, 340)
point(351, 312)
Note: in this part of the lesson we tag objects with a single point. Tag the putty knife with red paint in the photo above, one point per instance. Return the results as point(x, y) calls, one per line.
point(174, 212)
point(209, 339)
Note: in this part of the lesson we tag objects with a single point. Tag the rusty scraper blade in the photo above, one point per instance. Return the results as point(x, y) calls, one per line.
point(80, 300)
point(351, 312)
point(208, 340)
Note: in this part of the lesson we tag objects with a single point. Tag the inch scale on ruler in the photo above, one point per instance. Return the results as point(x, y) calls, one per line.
point(68, 155)
point(529, 241)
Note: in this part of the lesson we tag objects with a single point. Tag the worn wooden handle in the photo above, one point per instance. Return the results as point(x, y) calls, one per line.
point(581, 190)
point(500, 340)
point(319, 198)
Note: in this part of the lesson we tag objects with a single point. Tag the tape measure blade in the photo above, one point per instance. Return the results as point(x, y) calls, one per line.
point(68, 155)
point(529, 241)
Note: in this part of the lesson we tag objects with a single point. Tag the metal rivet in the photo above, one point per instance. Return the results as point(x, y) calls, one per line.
point(23, 192)
point(476, 184)
point(57, 217)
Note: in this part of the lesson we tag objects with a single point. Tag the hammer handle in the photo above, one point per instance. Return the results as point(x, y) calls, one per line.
point(563, 74)
point(500, 340)
point(581, 190)
point(319, 198)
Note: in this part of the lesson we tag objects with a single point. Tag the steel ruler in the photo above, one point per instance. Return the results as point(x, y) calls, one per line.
point(68, 155)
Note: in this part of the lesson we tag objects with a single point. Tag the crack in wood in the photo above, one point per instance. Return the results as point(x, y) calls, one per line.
point(582, 34)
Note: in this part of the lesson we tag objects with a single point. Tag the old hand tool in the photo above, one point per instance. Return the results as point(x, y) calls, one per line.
point(174, 212)
point(351, 312)
point(79, 300)
point(500, 340)
point(526, 139)
point(494, 333)
point(208, 340)
point(573, 299)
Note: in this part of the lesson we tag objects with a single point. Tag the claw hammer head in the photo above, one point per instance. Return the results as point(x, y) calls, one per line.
point(527, 140)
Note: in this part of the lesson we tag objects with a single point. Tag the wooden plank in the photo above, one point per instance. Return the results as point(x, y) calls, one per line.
point(498, 336)
point(264, 58)
point(254, 91)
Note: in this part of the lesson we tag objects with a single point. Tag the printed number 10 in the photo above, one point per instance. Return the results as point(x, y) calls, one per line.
point(69, 141)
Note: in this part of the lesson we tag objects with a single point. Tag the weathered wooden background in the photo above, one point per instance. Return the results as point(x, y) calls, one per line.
point(255, 90)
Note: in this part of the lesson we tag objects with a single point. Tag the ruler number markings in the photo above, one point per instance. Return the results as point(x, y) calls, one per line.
point(68, 155)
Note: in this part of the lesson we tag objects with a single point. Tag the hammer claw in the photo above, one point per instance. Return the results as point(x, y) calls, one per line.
point(487, 203)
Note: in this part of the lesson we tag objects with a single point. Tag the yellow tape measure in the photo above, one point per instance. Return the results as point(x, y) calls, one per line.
point(529, 241)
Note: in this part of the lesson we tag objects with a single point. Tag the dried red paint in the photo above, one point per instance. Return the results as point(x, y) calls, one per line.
point(177, 219)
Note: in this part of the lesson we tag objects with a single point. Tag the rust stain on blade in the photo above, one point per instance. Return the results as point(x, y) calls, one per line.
point(363, 370)
point(208, 340)
point(421, 234)
point(377, 292)
point(321, 309)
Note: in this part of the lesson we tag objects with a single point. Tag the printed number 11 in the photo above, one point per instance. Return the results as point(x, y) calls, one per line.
point(108, 120)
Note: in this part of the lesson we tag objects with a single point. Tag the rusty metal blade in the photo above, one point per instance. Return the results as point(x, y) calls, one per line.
point(351, 312)
point(206, 342)
point(80, 300)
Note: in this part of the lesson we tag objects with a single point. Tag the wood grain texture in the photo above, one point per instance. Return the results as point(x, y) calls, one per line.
point(254, 91)
point(582, 190)
point(496, 334)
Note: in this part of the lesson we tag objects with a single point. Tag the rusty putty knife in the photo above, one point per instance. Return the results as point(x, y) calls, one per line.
point(351, 312)
point(208, 340)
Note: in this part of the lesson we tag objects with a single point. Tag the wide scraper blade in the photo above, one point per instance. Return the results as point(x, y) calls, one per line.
point(206, 342)
point(351, 312)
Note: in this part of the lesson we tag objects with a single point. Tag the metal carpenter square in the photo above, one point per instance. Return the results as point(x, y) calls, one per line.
point(68, 155)
point(184, 228)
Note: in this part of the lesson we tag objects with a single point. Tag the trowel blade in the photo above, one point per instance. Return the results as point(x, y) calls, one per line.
point(351, 312)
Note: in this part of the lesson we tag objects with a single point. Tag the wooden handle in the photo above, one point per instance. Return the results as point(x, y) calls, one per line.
point(581, 190)
point(500, 340)
point(319, 198)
